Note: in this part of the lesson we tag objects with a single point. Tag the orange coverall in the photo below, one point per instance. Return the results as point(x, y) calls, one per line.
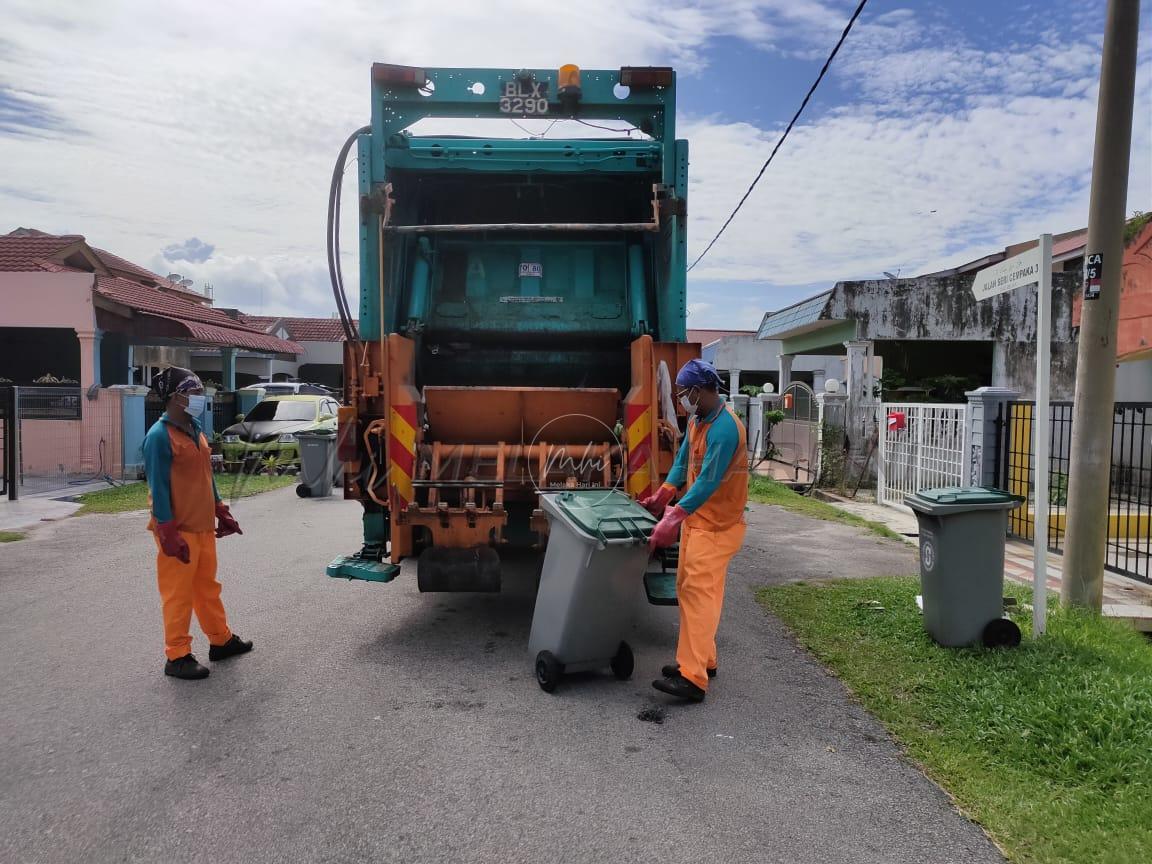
point(181, 489)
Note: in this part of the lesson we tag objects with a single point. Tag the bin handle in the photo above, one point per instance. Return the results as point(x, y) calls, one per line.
point(628, 523)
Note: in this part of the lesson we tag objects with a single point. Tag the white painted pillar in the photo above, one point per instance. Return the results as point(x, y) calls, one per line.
point(784, 362)
point(733, 381)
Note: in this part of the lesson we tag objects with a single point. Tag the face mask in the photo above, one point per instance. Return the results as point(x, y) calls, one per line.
point(196, 405)
point(688, 404)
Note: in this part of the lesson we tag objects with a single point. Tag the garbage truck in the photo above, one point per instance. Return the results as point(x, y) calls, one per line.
point(522, 308)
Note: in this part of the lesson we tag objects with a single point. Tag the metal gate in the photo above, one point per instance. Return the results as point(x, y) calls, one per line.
point(796, 438)
point(1129, 517)
point(921, 447)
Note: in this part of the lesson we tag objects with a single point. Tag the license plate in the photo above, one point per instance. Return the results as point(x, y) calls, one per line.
point(524, 98)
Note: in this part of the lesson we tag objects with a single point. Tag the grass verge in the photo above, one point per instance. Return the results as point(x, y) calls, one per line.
point(1049, 746)
point(134, 496)
point(11, 536)
point(764, 490)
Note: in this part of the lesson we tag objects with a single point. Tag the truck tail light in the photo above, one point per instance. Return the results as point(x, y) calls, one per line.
point(647, 76)
point(403, 76)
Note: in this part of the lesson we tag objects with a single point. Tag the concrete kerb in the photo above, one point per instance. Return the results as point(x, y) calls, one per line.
point(29, 512)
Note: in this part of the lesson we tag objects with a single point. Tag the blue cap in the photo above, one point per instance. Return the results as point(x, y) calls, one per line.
point(698, 373)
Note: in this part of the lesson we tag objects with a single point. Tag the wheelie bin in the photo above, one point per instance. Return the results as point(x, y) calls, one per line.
point(317, 463)
point(962, 533)
point(591, 583)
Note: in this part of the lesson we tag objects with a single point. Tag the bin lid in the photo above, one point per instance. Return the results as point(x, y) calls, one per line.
point(316, 433)
point(956, 498)
point(968, 495)
point(605, 514)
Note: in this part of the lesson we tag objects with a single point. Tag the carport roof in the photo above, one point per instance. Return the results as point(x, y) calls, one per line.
point(799, 318)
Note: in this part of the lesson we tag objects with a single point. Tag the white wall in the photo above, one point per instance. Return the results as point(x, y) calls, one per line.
point(1134, 381)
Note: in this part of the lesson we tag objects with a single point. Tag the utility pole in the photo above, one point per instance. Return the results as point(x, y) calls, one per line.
point(1091, 457)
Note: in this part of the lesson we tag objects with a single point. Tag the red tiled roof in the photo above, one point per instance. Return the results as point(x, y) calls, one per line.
point(203, 322)
point(707, 337)
point(300, 329)
point(26, 252)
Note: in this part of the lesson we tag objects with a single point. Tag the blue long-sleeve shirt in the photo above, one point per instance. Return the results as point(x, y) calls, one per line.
point(722, 441)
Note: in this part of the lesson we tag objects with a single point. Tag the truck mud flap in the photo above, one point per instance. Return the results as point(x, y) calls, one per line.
point(460, 570)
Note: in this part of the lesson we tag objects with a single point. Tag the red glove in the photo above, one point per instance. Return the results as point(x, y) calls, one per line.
point(668, 529)
point(172, 544)
point(656, 502)
point(226, 523)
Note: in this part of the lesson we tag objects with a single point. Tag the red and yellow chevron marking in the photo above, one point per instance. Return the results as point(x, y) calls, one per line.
point(402, 450)
point(638, 440)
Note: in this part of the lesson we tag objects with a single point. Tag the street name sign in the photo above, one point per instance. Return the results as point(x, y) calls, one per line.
point(1035, 265)
point(1012, 273)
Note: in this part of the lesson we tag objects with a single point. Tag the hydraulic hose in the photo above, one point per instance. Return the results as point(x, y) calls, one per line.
point(335, 272)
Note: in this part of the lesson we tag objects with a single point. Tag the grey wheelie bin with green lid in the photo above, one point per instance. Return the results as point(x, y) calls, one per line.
point(317, 462)
point(591, 583)
point(962, 534)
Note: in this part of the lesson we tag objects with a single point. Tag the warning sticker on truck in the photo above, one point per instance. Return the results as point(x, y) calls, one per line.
point(516, 298)
point(531, 270)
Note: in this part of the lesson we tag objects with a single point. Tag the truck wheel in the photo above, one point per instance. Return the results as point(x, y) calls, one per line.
point(548, 671)
point(623, 663)
point(1001, 633)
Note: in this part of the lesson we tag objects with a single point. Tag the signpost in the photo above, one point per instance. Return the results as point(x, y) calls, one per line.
point(1033, 267)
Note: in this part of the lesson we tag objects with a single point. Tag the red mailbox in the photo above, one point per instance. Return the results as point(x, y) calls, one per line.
point(897, 420)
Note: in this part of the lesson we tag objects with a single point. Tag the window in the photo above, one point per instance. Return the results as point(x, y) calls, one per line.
point(281, 410)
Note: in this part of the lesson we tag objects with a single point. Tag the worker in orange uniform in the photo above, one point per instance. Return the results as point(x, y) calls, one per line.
point(709, 519)
point(187, 518)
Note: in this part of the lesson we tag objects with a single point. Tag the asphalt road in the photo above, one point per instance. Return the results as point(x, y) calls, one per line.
point(372, 723)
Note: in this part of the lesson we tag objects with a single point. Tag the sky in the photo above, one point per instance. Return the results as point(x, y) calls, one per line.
point(199, 138)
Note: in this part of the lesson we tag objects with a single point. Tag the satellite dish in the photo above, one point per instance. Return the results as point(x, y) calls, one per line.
point(174, 277)
point(184, 283)
point(895, 275)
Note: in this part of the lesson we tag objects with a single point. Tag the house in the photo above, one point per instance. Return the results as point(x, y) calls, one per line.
point(79, 316)
point(76, 311)
point(747, 360)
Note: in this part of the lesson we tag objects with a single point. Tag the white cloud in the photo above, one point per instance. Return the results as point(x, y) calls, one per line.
point(177, 120)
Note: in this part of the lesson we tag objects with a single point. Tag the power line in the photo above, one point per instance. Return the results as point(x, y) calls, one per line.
point(791, 123)
point(629, 130)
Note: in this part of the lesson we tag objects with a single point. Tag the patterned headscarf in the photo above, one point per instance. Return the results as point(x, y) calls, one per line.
point(698, 373)
point(173, 380)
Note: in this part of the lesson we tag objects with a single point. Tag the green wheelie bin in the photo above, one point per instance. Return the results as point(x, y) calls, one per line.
point(962, 533)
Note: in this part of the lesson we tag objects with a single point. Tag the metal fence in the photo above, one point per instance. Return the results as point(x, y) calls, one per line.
point(1129, 545)
point(921, 447)
point(51, 454)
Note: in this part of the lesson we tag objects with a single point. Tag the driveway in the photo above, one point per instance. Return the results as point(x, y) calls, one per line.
point(373, 723)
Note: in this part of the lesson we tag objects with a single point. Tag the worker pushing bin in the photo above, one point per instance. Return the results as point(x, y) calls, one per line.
point(962, 533)
point(317, 463)
point(590, 586)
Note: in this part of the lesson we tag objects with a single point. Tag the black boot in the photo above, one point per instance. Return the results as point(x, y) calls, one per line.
point(673, 669)
point(231, 648)
point(681, 688)
point(186, 667)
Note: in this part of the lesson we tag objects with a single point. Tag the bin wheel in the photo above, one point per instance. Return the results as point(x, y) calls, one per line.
point(623, 663)
point(548, 671)
point(1001, 633)
point(303, 491)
